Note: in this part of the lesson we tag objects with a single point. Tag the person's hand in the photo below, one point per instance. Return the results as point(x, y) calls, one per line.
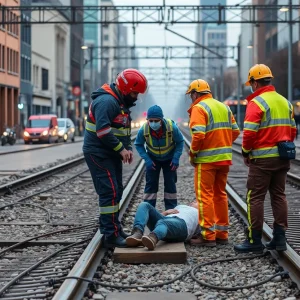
point(150, 165)
point(174, 164)
point(125, 156)
point(170, 212)
point(191, 159)
point(130, 156)
point(247, 161)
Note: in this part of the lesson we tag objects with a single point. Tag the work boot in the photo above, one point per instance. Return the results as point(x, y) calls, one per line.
point(114, 241)
point(222, 241)
point(200, 241)
point(135, 239)
point(251, 245)
point(150, 241)
point(123, 234)
point(278, 241)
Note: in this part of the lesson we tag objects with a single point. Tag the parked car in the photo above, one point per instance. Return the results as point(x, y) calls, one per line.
point(41, 128)
point(66, 129)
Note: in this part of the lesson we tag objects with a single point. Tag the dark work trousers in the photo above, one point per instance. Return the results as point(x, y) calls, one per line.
point(152, 181)
point(107, 178)
point(267, 174)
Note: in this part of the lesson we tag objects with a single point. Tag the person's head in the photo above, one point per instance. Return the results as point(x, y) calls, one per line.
point(130, 84)
point(194, 204)
point(198, 88)
point(259, 75)
point(154, 117)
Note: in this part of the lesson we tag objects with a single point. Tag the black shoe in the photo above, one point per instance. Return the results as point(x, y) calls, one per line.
point(251, 244)
point(123, 234)
point(278, 241)
point(113, 241)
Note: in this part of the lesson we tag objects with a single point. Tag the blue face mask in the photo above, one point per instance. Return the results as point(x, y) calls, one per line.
point(154, 125)
point(251, 89)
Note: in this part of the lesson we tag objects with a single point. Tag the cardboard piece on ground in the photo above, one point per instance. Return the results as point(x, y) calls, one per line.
point(150, 296)
point(163, 253)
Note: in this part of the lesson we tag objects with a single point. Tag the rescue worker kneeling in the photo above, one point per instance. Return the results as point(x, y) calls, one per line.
point(164, 145)
point(173, 225)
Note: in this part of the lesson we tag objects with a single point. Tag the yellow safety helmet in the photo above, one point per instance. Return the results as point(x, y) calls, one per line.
point(199, 86)
point(258, 71)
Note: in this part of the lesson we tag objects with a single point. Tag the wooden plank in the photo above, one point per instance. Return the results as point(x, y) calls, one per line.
point(163, 253)
point(150, 296)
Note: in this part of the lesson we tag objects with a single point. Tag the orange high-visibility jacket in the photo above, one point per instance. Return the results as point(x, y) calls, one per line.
point(269, 119)
point(213, 130)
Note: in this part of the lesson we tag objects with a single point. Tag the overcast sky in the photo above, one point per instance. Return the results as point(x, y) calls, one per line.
point(156, 35)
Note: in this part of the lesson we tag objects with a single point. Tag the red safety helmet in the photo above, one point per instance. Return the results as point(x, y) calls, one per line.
point(131, 80)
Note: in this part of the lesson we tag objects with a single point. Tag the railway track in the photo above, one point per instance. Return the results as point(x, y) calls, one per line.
point(67, 217)
point(95, 259)
point(236, 190)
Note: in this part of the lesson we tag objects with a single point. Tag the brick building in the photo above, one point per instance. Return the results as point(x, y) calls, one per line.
point(9, 68)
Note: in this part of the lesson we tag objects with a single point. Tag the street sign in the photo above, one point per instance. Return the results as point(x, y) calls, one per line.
point(76, 91)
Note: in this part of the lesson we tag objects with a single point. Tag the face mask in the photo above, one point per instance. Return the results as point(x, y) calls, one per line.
point(251, 89)
point(154, 125)
point(129, 101)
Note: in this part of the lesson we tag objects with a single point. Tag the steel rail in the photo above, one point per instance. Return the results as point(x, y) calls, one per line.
point(289, 259)
point(73, 289)
point(9, 186)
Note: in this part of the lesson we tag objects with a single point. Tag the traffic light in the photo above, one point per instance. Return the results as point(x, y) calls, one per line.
point(20, 106)
point(20, 102)
point(145, 114)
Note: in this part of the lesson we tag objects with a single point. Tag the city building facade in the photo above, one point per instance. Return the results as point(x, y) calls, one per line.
point(9, 68)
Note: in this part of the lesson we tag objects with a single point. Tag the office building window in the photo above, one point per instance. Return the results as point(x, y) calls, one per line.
point(2, 57)
point(105, 37)
point(45, 79)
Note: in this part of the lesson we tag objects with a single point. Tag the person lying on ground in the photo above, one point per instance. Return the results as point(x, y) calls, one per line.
point(173, 225)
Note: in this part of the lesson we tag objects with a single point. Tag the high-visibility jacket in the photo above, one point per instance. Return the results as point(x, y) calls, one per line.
point(213, 129)
point(108, 128)
point(166, 147)
point(157, 149)
point(269, 119)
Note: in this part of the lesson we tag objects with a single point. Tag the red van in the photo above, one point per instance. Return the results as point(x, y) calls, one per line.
point(42, 128)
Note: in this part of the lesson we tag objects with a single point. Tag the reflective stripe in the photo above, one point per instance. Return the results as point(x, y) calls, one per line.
point(90, 127)
point(103, 132)
point(150, 196)
point(251, 126)
point(210, 152)
point(170, 196)
point(198, 128)
point(117, 148)
point(272, 151)
point(235, 126)
point(108, 209)
point(276, 122)
point(208, 111)
point(249, 215)
point(121, 131)
point(221, 227)
point(218, 125)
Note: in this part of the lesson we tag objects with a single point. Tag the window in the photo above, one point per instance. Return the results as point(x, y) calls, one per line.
point(44, 79)
point(2, 57)
point(105, 37)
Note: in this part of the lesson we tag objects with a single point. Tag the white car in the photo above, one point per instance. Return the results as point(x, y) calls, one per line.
point(66, 129)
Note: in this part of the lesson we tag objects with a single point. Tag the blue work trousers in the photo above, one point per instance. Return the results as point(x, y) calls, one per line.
point(107, 178)
point(152, 181)
point(170, 229)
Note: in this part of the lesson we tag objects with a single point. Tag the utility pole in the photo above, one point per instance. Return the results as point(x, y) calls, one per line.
point(290, 54)
point(222, 82)
point(92, 73)
point(82, 98)
point(238, 115)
